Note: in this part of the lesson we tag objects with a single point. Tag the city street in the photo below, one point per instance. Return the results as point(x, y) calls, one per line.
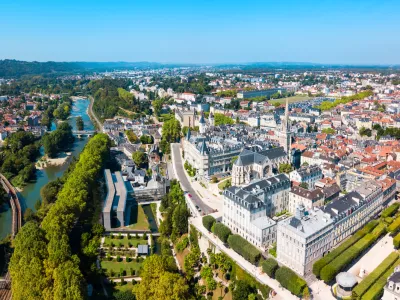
point(186, 185)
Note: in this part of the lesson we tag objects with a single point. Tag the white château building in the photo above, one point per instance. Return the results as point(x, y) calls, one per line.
point(248, 210)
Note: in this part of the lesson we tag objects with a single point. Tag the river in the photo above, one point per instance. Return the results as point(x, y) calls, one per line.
point(31, 192)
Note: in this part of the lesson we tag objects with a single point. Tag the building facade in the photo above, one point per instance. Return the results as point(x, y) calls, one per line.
point(307, 174)
point(306, 237)
point(253, 164)
point(248, 210)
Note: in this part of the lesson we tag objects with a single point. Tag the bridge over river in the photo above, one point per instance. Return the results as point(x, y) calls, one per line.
point(82, 133)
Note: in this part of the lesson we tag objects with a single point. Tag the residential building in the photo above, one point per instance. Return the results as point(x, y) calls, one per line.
point(308, 199)
point(306, 174)
point(307, 236)
point(391, 291)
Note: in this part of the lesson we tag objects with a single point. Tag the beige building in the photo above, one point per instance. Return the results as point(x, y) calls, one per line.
point(309, 199)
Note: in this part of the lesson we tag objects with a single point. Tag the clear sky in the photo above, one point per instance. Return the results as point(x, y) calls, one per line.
point(191, 31)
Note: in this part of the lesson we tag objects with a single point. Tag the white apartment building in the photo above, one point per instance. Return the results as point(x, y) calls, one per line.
point(248, 210)
point(307, 174)
point(304, 238)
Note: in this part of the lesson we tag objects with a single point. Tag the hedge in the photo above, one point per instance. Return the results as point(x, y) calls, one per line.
point(395, 226)
point(396, 241)
point(391, 210)
point(368, 281)
point(319, 264)
point(389, 220)
point(244, 248)
point(376, 290)
point(291, 281)
point(208, 222)
point(221, 231)
point(269, 267)
point(339, 263)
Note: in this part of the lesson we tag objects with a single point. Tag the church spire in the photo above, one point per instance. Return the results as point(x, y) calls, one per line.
point(286, 121)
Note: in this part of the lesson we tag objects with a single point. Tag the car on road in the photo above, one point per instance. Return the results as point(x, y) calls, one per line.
point(190, 195)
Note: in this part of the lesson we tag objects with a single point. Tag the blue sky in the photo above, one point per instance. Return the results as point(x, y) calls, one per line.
point(218, 31)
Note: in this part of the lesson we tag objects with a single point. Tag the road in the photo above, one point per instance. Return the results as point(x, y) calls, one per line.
point(186, 185)
point(93, 116)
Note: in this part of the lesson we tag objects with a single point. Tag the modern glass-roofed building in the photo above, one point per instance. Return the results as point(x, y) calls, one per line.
point(115, 200)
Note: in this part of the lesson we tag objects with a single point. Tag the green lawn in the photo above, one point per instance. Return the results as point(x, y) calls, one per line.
point(116, 266)
point(222, 184)
point(138, 219)
point(124, 241)
point(291, 99)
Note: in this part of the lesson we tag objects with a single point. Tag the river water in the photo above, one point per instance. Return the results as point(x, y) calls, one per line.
point(31, 192)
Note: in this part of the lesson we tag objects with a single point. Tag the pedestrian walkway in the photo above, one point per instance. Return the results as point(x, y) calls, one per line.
point(250, 268)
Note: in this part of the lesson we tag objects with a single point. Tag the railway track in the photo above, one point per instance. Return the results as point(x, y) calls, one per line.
point(5, 283)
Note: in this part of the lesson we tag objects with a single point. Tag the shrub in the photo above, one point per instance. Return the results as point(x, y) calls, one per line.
point(394, 227)
point(144, 236)
point(319, 264)
point(396, 241)
point(221, 231)
point(376, 290)
point(244, 248)
point(368, 281)
point(391, 210)
point(208, 222)
point(119, 258)
point(291, 281)
point(270, 266)
point(182, 244)
point(128, 259)
point(133, 272)
point(389, 220)
point(329, 271)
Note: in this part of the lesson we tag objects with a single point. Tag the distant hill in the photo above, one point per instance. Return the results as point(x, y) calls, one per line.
point(10, 68)
point(17, 68)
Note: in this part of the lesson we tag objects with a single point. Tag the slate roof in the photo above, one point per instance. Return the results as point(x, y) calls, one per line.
point(248, 157)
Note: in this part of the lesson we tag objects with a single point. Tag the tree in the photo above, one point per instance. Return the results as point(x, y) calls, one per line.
point(365, 132)
point(79, 123)
point(132, 137)
point(171, 133)
point(221, 119)
point(140, 158)
point(304, 185)
point(146, 139)
point(124, 295)
point(157, 106)
point(208, 222)
point(328, 131)
point(27, 268)
point(242, 290)
point(285, 168)
point(159, 281)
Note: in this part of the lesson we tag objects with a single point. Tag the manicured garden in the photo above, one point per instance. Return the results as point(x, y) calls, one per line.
point(120, 241)
point(286, 277)
point(321, 263)
point(365, 285)
point(329, 271)
point(138, 219)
